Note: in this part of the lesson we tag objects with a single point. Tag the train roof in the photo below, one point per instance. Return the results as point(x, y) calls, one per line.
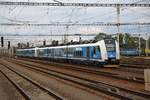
point(70, 46)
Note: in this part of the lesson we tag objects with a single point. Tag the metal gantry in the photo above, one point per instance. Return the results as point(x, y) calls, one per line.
point(116, 5)
point(72, 24)
point(75, 4)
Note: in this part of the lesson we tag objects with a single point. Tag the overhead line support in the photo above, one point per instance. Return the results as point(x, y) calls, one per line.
point(80, 24)
point(75, 4)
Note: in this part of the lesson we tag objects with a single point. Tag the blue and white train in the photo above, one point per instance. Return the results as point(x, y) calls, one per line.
point(100, 53)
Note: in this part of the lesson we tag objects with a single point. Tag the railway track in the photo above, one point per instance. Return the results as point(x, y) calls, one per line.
point(120, 68)
point(139, 66)
point(17, 78)
point(26, 97)
point(92, 84)
point(130, 69)
point(97, 72)
point(136, 62)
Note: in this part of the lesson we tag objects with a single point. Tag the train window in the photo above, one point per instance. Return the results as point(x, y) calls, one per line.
point(69, 50)
point(98, 48)
point(110, 47)
point(110, 44)
point(65, 50)
point(51, 50)
point(74, 53)
point(79, 53)
point(59, 52)
point(94, 50)
point(48, 52)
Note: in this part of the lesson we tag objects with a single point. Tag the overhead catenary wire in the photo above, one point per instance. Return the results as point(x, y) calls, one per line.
point(75, 24)
point(76, 4)
point(72, 21)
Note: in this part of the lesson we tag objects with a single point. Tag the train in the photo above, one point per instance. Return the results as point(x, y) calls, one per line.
point(100, 53)
point(129, 52)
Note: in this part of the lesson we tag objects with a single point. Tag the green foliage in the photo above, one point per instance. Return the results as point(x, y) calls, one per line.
point(127, 41)
point(101, 36)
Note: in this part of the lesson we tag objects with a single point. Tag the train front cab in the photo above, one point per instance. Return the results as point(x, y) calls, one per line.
point(96, 54)
point(112, 51)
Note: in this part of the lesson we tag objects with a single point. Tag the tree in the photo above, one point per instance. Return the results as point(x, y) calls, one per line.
point(101, 36)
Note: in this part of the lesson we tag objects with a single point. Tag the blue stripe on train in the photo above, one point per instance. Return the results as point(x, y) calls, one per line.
point(84, 54)
point(91, 54)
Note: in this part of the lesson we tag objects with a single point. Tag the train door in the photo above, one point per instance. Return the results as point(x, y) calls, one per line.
point(88, 55)
point(91, 54)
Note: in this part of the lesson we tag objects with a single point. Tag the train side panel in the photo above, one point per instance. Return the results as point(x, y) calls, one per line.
point(93, 53)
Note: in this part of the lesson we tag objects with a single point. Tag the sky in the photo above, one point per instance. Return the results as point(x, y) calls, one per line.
point(36, 14)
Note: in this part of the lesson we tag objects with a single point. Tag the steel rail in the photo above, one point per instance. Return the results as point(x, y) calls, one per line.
point(107, 74)
point(50, 92)
point(25, 95)
point(96, 85)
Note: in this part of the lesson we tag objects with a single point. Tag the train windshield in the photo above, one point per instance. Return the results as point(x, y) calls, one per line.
point(110, 44)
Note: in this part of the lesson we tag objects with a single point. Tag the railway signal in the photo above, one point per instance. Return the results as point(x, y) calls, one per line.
point(147, 50)
point(8, 44)
point(2, 41)
point(27, 44)
point(44, 43)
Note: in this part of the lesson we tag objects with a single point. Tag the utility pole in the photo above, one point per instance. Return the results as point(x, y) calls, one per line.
point(124, 39)
point(51, 38)
point(80, 39)
point(66, 35)
point(118, 24)
point(147, 45)
point(2, 41)
point(44, 43)
point(28, 44)
point(139, 45)
point(66, 40)
point(8, 44)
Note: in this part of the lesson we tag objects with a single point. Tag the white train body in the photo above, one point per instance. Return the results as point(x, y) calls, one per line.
point(99, 53)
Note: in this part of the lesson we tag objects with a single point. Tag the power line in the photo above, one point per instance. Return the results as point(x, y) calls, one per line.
point(75, 24)
point(15, 20)
point(75, 4)
point(90, 34)
point(57, 1)
point(49, 35)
